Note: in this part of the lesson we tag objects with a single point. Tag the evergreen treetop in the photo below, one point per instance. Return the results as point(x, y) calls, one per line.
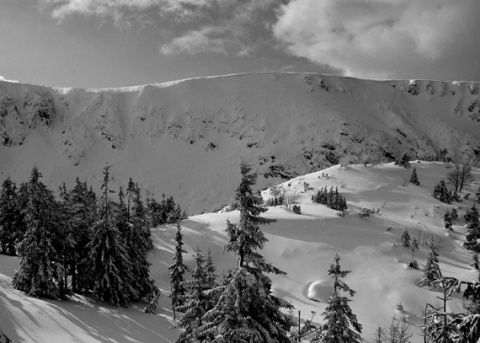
point(338, 315)
point(246, 236)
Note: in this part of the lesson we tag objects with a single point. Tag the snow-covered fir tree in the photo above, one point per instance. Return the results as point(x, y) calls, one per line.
point(432, 271)
point(65, 213)
point(83, 216)
point(110, 265)
point(338, 314)
point(473, 227)
point(140, 242)
point(441, 192)
point(196, 302)
point(177, 271)
point(246, 310)
point(447, 220)
point(210, 269)
point(41, 271)
point(406, 239)
point(9, 212)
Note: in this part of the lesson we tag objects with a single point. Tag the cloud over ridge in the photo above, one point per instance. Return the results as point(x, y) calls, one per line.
point(378, 39)
point(384, 38)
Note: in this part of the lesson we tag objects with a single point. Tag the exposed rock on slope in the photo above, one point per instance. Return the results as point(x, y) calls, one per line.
point(187, 138)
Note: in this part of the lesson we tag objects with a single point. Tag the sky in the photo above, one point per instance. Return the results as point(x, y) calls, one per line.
point(114, 43)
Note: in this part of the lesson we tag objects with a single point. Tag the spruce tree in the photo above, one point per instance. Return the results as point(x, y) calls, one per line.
point(110, 265)
point(473, 227)
point(475, 264)
point(65, 213)
point(9, 213)
point(196, 302)
point(414, 177)
point(441, 192)
point(41, 271)
point(177, 270)
point(141, 243)
point(246, 310)
point(447, 220)
point(432, 271)
point(406, 239)
point(210, 270)
point(338, 315)
point(83, 216)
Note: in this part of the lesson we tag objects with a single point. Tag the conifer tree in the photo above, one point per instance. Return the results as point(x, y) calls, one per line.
point(246, 310)
point(22, 201)
point(111, 267)
point(441, 192)
point(447, 220)
point(338, 315)
point(473, 227)
point(9, 213)
point(475, 264)
point(65, 213)
point(210, 271)
point(153, 303)
point(414, 177)
point(177, 270)
point(432, 271)
point(405, 239)
point(141, 243)
point(196, 302)
point(83, 216)
point(41, 271)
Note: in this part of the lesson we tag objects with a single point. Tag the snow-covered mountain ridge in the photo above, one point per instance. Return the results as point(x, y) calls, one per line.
point(198, 130)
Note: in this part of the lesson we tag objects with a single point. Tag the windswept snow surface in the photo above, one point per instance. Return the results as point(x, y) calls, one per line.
point(301, 245)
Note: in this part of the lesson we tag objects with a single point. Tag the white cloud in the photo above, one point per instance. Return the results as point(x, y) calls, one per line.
point(384, 38)
point(208, 39)
point(234, 27)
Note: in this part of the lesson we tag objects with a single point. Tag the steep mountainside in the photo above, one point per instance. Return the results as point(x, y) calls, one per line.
point(186, 138)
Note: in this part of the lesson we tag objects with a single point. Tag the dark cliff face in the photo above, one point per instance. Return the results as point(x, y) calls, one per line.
point(285, 124)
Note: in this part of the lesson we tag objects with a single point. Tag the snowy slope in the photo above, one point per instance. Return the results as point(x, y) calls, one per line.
point(302, 245)
point(186, 138)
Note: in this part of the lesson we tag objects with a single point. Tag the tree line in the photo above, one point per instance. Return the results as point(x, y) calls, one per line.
point(80, 241)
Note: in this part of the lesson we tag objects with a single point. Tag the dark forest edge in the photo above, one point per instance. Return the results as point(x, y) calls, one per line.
point(81, 241)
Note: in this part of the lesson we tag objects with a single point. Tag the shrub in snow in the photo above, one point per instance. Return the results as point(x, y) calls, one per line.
point(296, 209)
point(365, 212)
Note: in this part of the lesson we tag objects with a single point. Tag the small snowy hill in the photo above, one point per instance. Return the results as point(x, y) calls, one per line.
point(186, 138)
point(302, 245)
